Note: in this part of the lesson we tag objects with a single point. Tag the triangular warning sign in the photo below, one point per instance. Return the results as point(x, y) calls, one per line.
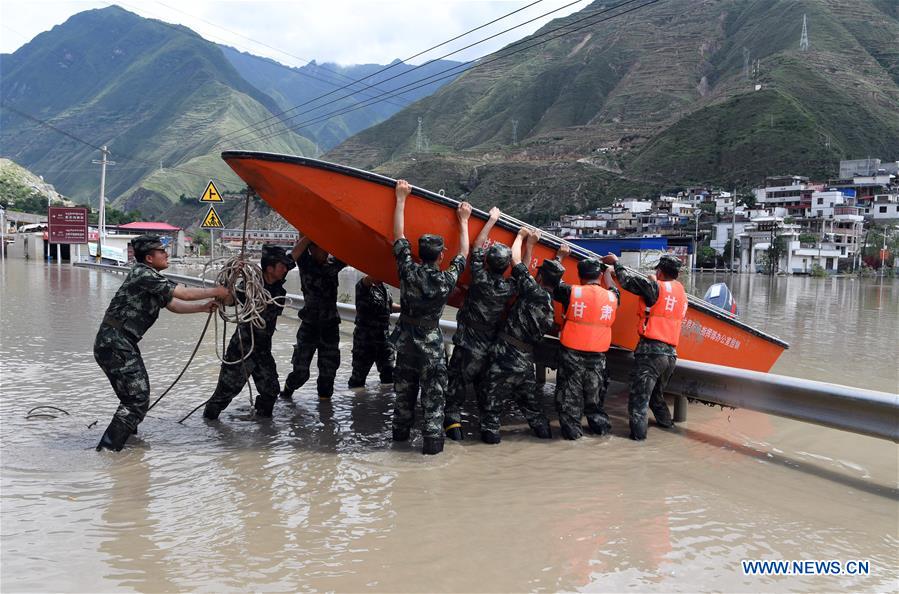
point(211, 194)
point(212, 220)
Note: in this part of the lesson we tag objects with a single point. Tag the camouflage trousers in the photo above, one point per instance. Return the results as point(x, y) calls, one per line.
point(414, 371)
point(510, 377)
point(312, 337)
point(371, 347)
point(581, 391)
point(260, 365)
point(119, 358)
point(466, 374)
point(649, 376)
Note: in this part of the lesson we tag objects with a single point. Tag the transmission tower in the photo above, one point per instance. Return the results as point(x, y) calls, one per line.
point(746, 62)
point(515, 132)
point(419, 137)
point(803, 41)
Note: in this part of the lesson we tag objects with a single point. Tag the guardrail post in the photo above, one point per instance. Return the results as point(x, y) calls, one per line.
point(680, 409)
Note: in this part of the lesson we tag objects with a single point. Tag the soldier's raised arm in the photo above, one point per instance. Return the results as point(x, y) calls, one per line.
point(463, 213)
point(481, 239)
point(299, 247)
point(533, 239)
point(403, 189)
point(516, 246)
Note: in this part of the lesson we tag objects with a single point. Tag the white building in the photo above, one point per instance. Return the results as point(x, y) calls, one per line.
point(884, 207)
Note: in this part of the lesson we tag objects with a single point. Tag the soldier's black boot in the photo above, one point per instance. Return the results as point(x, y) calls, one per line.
point(432, 445)
point(115, 436)
point(572, 433)
point(454, 431)
point(599, 427)
point(490, 437)
point(286, 393)
point(400, 434)
point(355, 383)
point(543, 431)
point(387, 376)
point(211, 411)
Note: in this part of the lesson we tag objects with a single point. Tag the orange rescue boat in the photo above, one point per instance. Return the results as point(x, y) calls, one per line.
point(349, 213)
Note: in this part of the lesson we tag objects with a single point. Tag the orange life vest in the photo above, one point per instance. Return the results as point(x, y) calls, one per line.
point(663, 320)
point(588, 319)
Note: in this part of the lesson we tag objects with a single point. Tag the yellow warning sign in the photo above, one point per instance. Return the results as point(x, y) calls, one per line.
point(212, 220)
point(211, 194)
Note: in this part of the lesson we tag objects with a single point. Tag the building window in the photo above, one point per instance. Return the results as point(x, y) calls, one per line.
point(820, 200)
point(883, 209)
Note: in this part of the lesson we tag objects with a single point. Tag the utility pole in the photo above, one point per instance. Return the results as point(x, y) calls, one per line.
point(418, 137)
point(733, 231)
point(696, 240)
point(883, 250)
point(101, 215)
point(3, 233)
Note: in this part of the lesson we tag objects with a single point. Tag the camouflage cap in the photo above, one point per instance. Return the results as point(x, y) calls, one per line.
point(551, 270)
point(498, 257)
point(272, 254)
point(590, 268)
point(430, 246)
point(143, 244)
point(668, 261)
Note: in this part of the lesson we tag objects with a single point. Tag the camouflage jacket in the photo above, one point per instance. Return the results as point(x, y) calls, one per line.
point(373, 306)
point(135, 306)
point(319, 283)
point(649, 292)
point(481, 315)
point(531, 315)
point(424, 290)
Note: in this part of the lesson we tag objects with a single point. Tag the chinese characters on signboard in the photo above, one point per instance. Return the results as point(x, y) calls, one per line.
point(67, 225)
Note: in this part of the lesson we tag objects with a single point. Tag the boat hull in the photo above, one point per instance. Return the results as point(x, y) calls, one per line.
point(349, 213)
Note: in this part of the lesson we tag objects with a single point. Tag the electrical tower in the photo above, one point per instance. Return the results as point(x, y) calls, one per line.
point(515, 132)
point(419, 137)
point(803, 41)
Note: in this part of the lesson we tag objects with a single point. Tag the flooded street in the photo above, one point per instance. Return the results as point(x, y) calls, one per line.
point(320, 498)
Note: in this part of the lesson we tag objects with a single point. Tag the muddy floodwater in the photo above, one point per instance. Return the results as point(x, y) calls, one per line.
point(319, 498)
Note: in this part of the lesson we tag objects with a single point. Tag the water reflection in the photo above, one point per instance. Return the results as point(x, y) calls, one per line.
point(319, 498)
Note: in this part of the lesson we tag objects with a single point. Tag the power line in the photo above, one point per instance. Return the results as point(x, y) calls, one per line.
point(150, 164)
point(410, 86)
point(389, 67)
point(430, 79)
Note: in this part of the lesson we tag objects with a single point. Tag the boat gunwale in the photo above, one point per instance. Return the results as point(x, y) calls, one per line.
point(547, 239)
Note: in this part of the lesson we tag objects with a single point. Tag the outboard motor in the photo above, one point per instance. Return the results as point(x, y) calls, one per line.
point(720, 296)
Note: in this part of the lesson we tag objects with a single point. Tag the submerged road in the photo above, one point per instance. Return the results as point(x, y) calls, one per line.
point(320, 498)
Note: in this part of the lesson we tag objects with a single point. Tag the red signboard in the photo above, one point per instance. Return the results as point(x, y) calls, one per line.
point(67, 225)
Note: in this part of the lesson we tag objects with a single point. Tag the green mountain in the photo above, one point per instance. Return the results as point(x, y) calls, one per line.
point(291, 87)
point(679, 92)
point(158, 95)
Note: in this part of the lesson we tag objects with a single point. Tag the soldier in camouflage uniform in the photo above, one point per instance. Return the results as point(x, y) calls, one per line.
point(582, 379)
point(478, 322)
point(371, 345)
point(654, 360)
point(510, 374)
point(133, 309)
point(259, 363)
point(320, 323)
point(424, 290)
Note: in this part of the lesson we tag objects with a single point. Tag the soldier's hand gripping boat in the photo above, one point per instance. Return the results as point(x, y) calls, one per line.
point(349, 213)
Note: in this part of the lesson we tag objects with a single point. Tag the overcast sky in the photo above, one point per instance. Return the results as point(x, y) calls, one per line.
point(342, 31)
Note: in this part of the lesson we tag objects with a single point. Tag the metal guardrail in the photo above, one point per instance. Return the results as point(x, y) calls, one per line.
point(866, 412)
